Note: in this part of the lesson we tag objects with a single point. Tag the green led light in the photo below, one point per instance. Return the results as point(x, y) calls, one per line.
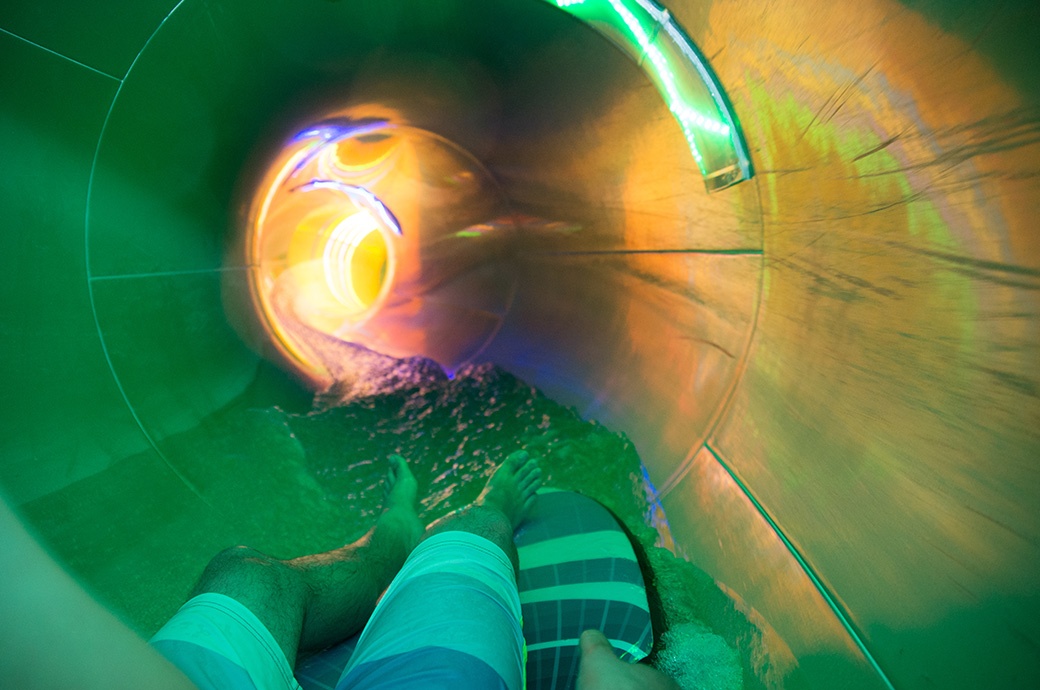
point(680, 72)
point(681, 111)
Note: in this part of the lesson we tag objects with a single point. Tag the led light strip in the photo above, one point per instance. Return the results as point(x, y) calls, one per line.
point(338, 256)
point(692, 122)
point(360, 196)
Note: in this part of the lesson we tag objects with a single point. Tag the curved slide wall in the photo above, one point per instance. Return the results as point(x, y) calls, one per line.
point(831, 371)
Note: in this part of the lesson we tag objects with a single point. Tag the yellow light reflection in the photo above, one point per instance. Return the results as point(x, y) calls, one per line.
point(322, 241)
point(354, 260)
point(370, 233)
point(364, 155)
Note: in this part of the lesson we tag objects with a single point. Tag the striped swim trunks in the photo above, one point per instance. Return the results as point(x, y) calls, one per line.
point(450, 619)
point(221, 645)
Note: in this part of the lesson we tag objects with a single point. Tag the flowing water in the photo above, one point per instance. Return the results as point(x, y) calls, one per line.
point(290, 482)
point(455, 432)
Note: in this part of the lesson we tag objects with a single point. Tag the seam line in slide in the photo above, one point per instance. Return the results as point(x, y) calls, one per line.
point(63, 57)
point(807, 569)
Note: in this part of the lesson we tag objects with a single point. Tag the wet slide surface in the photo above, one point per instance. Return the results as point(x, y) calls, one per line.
point(829, 371)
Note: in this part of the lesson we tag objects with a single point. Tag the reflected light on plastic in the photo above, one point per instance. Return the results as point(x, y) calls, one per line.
point(376, 235)
point(357, 194)
point(322, 244)
point(355, 261)
point(691, 121)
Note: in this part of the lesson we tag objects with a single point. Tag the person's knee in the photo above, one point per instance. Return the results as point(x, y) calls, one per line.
point(491, 524)
point(237, 558)
point(271, 589)
point(237, 563)
point(484, 522)
point(246, 575)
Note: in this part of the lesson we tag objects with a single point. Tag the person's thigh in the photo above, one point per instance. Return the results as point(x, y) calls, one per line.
point(450, 619)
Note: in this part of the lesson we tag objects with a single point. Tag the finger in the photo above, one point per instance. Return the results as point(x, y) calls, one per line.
point(593, 641)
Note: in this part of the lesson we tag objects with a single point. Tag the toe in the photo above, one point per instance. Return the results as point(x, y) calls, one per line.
point(530, 481)
point(516, 459)
point(529, 469)
point(399, 468)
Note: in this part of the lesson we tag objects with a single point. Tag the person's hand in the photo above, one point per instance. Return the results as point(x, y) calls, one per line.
point(600, 669)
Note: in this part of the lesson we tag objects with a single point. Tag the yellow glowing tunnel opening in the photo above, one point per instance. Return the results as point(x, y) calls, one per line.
point(322, 241)
point(353, 258)
point(371, 232)
point(356, 259)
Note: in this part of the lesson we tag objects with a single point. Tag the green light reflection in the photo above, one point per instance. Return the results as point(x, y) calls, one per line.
point(651, 36)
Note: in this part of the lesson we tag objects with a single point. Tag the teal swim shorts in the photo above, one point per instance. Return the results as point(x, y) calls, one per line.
point(450, 619)
point(220, 645)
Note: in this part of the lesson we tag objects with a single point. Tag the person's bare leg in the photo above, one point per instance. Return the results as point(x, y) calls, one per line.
point(315, 601)
point(345, 584)
point(500, 508)
point(455, 592)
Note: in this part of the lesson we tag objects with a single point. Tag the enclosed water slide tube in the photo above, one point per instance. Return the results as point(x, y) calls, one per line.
point(826, 352)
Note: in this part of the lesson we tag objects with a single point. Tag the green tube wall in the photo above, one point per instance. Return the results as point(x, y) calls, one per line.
point(830, 370)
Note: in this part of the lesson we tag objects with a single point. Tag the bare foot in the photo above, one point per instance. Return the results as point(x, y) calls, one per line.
point(600, 669)
point(511, 489)
point(400, 501)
